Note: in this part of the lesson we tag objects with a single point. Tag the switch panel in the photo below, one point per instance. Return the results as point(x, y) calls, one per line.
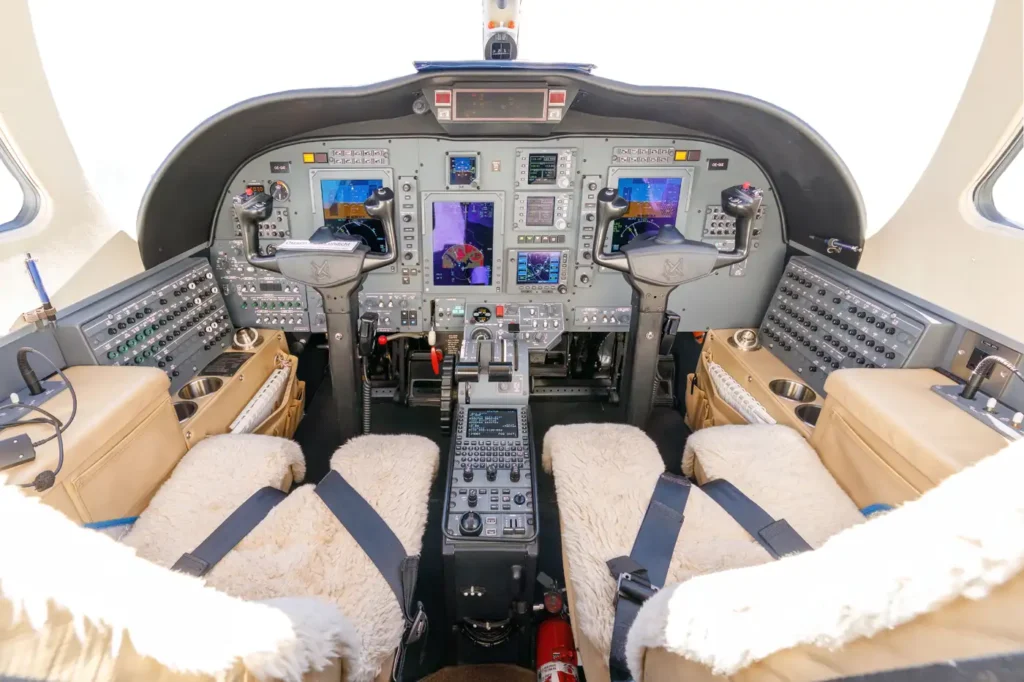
point(396, 312)
point(260, 298)
point(821, 319)
point(175, 320)
point(408, 228)
point(602, 319)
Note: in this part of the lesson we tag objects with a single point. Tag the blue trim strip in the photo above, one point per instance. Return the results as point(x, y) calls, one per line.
point(110, 523)
point(875, 509)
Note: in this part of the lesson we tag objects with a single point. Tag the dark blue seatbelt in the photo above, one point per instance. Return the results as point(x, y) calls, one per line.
point(644, 571)
point(777, 537)
point(228, 534)
point(384, 549)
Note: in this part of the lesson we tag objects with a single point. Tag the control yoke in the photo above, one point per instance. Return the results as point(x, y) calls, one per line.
point(654, 265)
point(336, 269)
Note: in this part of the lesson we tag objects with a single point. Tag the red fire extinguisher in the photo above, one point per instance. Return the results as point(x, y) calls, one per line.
point(556, 651)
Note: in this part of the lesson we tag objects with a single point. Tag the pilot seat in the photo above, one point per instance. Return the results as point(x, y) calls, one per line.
point(331, 613)
point(819, 593)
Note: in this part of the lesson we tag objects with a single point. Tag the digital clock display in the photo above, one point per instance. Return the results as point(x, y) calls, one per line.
point(500, 105)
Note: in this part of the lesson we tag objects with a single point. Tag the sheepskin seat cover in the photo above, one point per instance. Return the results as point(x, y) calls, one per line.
point(604, 477)
point(300, 548)
point(956, 545)
point(779, 470)
point(77, 605)
point(212, 480)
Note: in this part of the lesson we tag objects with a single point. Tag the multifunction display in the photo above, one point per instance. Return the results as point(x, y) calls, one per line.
point(492, 423)
point(463, 236)
point(653, 203)
point(542, 169)
point(345, 213)
point(538, 267)
point(540, 211)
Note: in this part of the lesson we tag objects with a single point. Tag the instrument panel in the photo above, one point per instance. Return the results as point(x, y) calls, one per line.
point(500, 221)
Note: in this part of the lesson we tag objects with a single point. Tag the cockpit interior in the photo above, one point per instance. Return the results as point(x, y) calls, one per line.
point(503, 370)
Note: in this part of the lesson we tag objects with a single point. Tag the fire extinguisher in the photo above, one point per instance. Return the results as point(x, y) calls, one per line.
point(556, 651)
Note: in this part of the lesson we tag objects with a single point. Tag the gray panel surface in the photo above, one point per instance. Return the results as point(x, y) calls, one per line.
point(723, 299)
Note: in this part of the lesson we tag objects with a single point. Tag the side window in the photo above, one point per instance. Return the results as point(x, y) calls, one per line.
point(1000, 194)
point(18, 198)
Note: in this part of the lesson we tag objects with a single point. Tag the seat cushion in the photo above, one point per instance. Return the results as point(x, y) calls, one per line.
point(300, 548)
point(604, 477)
point(775, 467)
point(938, 578)
point(212, 480)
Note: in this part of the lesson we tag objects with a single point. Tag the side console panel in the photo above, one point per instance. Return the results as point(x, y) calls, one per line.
point(821, 319)
point(174, 319)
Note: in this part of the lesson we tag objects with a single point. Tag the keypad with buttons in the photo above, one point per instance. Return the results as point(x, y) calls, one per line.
point(494, 478)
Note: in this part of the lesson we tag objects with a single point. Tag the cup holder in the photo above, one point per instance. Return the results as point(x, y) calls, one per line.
point(792, 390)
point(808, 414)
point(197, 388)
point(185, 410)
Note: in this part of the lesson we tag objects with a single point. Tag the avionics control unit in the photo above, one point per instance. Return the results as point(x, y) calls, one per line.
point(821, 319)
point(174, 319)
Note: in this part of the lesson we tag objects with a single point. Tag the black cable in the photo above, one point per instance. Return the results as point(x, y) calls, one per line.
point(71, 389)
point(46, 479)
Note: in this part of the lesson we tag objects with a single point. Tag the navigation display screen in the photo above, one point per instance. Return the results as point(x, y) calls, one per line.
point(463, 243)
point(540, 211)
point(538, 267)
point(461, 170)
point(492, 424)
point(346, 216)
point(653, 203)
point(542, 169)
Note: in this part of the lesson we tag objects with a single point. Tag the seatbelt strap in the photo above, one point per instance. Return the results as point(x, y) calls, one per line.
point(228, 534)
point(383, 548)
point(777, 537)
point(644, 571)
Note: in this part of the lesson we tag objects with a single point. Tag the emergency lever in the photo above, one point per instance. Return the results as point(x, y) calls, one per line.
point(336, 269)
point(654, 265)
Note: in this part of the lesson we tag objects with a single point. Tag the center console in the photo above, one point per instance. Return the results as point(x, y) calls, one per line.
point(490, 522)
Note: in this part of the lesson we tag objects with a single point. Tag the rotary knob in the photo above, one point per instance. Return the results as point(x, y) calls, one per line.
point(513, 475)
point(470, 524)
point(492, 472)
point(467, 473)
point(472, 498)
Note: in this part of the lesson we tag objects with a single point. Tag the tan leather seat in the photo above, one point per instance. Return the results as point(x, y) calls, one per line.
point(845, 608)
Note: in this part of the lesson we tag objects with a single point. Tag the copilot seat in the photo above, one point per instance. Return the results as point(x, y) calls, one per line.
point(938, 578)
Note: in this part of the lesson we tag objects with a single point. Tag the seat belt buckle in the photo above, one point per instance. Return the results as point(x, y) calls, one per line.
point(191, 564)
point(417, 626)
point(634, 588)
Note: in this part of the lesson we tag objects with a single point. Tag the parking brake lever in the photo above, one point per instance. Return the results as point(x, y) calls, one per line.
point(252, 208)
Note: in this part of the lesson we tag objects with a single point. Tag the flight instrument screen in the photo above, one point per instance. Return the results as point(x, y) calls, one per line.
point(538, 267)
point(345, 215)
point(653, 203)
point(491, 424)
point(463, 235)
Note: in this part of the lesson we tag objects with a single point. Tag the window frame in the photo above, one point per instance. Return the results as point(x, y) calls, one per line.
point(983, 201)
point(30, 193)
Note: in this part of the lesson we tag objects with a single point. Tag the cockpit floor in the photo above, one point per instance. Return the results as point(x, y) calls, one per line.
point(474, 673)
point(319, 438)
